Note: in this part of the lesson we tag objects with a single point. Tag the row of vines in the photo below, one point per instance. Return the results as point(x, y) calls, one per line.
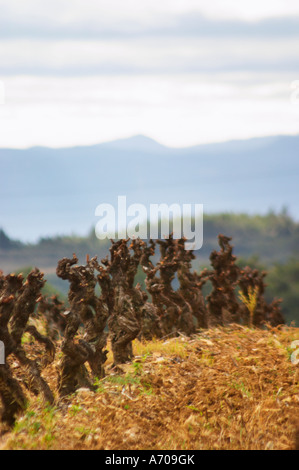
point(76, 334)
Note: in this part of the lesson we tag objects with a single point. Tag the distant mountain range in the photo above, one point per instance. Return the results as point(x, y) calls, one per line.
point(46, 191)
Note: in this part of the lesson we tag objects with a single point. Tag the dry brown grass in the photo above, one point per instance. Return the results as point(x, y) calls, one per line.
point(226, 388)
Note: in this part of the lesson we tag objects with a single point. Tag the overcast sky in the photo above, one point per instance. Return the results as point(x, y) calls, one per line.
point(182, 72)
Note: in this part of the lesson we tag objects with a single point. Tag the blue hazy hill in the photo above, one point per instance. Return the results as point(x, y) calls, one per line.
point(46, 191)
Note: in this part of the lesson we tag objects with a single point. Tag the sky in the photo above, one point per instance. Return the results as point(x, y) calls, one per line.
point(81, 72)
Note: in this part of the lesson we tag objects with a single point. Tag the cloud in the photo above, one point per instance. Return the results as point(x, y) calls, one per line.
point(129, 48)
point(175, 110)
point(118, 11)
point(110, 37)
point(148, 56)
point(190, 24)
point(62, 19)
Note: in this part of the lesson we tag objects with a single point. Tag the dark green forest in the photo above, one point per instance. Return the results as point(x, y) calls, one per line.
point(269, 242)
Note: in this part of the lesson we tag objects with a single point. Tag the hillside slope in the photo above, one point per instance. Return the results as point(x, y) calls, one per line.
point(228, 388)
